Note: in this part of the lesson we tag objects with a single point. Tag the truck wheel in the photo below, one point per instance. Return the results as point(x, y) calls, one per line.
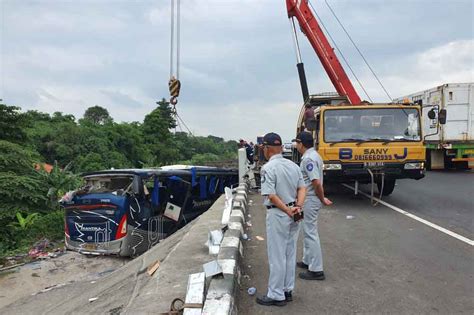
point(462, 165)
point(388, 187)
point(428, 159)
point(448, 163)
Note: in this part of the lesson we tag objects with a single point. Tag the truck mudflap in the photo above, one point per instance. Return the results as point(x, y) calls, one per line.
point(350, 172)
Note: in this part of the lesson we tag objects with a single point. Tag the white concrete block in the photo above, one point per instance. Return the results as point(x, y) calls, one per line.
point(195, 292)
point(236, 226)
point(218, 306)
point(230, 241)
point(227, 265)
point(238, 213)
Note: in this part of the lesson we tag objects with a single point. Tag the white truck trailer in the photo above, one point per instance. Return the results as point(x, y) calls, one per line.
point(452, 144)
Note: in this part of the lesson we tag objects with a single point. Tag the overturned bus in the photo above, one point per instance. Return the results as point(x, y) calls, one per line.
point(126, 211)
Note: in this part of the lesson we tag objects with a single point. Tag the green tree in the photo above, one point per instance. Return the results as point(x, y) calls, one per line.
point(12, 124)
point(91, 162)
point(156, 131)
point(21, 186)
point(159, 122)
point(59, 181)
point(60, 117)
point(127, 139)
point(97, 115)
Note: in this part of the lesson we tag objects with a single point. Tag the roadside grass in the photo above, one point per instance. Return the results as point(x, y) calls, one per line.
point(18, 240)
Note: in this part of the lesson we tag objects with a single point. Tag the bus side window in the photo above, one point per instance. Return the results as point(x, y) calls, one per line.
point(149, 188)
point(163, 200)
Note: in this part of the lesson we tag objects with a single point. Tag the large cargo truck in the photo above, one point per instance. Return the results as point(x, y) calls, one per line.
point(450, 145)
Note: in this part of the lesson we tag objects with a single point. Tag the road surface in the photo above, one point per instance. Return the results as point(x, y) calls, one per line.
point(378, 260)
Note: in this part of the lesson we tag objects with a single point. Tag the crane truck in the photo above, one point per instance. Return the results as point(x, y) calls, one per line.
point(358, 141)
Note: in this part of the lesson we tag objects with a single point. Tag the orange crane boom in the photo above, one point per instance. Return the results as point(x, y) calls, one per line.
point(300, 10)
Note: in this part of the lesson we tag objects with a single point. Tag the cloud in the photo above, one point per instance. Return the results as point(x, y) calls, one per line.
point(243, 119)
point(211, 12)
point(452, 62)
point(56, 59)
point(124, 103)
point(63, 16)
point(124, 99)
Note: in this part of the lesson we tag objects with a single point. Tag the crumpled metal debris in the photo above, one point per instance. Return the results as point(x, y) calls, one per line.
point(68, 196)
point(214, 241)
point(44, 249)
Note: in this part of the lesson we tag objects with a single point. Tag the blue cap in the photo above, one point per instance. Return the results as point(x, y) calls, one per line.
point(306, 138)
point(272, 139)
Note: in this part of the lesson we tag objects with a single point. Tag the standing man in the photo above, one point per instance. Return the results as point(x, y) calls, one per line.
point(284, 190)
point(248, 150)
point(309, 120)
point(312, 169)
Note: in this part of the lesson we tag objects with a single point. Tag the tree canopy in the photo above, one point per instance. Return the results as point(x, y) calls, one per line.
point(97, 115)
point(97, 142)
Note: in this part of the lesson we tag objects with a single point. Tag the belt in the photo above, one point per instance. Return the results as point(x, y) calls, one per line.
point(291, 204)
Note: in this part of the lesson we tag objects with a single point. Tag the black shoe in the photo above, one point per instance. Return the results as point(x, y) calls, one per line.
point(312, 275)
point(302, 265)
point(265, 300)
point(289, 296)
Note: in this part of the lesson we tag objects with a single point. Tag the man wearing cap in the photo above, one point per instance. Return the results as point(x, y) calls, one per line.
point(312, 169)
point(284, 191)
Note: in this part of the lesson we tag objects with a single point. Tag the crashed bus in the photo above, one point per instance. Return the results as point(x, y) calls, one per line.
point(127, 211)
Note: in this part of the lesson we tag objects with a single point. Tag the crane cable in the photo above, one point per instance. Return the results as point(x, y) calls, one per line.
point(340, 52)
point(180, 122)
point(358, 50)
point(174, 84)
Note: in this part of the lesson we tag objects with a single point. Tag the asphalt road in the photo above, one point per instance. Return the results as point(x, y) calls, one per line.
point(445, 198)
point(376, 259)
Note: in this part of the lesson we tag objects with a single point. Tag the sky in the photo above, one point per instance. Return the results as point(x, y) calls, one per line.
point(238, 62)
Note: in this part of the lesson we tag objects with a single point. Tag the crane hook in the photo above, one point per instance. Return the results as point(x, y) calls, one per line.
point(173, 100)
point(174, 87)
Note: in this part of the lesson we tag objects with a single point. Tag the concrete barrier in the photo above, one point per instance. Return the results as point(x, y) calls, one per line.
point(221, 293)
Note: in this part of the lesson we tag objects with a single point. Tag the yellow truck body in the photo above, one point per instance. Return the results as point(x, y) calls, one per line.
point(368, 142)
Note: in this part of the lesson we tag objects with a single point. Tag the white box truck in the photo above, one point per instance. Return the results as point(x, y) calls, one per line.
point(452, 144)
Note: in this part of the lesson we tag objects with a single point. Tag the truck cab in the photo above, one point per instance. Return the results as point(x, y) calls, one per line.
point(366, 142)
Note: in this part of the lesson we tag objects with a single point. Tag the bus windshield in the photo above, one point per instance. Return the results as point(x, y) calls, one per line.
point(367, 124)
point(109, 184)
